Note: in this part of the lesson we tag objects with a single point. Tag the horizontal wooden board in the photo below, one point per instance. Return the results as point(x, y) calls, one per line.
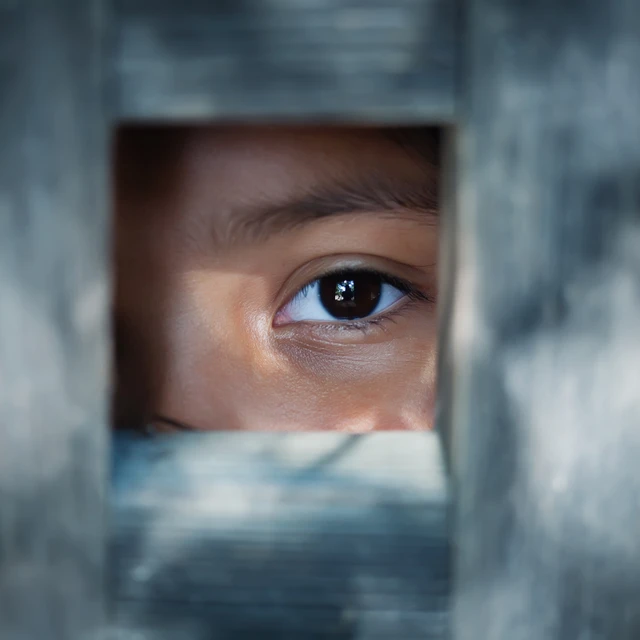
point(390, 60)
point(224, 535)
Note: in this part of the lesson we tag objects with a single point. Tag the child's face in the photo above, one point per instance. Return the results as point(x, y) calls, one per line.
point(278, 279)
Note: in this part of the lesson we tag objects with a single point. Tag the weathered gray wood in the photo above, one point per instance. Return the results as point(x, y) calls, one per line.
point(390, 60)
point(222, 535)
point(53, 311)
point(544, 346)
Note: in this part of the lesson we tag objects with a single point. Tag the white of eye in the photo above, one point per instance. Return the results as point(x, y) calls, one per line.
point(307, 305)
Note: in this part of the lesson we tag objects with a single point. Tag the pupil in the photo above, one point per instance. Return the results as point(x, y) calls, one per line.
point(350, 294)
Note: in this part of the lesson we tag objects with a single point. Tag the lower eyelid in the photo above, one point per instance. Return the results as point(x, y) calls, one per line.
point(385, 315)
point(375, 322)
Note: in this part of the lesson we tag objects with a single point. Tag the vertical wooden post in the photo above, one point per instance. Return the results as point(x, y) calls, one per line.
point(54, 365)
point(545, 338)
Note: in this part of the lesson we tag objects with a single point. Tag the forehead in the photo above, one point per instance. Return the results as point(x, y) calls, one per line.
point(208, 175)
point(269, 163)
point(299, 149)
point(147, 153)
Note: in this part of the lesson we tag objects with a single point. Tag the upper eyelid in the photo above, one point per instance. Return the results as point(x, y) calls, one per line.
point(387, 277)
point(413, 277)
point(401, 284)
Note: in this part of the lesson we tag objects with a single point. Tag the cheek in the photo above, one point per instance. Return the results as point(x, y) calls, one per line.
point(216, 356)
point(226, 371)
point(375, 389)
point(218, 388)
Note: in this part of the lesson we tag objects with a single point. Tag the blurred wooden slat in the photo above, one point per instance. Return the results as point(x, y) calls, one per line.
point(544, 347)
point(257, 535)
point(53, 319)
point(389, 60)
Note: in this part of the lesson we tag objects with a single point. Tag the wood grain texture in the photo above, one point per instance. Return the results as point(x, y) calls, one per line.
point(380, 60)
point(53, 311)
point(221, 535)
point(544, 345)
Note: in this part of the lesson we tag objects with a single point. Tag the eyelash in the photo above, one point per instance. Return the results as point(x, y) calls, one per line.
point(411, 291)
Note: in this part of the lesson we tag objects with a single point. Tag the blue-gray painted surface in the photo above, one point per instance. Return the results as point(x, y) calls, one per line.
point(236, 535)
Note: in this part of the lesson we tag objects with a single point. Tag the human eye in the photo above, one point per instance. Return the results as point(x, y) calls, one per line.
point(345, 296)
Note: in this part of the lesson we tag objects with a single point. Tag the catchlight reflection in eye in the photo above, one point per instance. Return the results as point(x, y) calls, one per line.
point(343, 296)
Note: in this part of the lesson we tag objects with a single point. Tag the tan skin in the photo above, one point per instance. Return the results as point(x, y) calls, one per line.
point(218, 230)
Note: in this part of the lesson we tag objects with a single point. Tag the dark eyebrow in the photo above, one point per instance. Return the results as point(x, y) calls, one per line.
point(414, 199)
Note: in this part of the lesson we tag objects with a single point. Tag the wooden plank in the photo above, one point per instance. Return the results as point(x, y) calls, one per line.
point(544, 346)
point(382, 60)
point(53, 311)
point(325, 535)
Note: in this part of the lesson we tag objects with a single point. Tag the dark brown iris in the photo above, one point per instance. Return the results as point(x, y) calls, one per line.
point(350, 294)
